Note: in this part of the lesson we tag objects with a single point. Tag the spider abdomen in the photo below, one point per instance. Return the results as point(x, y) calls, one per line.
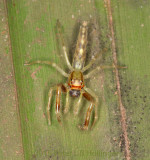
point(80, 51)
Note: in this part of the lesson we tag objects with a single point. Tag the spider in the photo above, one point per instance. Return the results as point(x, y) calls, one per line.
point(75, 87)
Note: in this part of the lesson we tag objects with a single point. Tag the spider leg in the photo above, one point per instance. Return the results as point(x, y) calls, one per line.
point(96, 104)
point(94, 59)
point(58, 96)
point(59, 88)
point(49, 63)
point(100, 68)
point(63, 45)
point(88, 115)
point(90, 97)
point(67, 102)
point(49, 105)
point(76, 110)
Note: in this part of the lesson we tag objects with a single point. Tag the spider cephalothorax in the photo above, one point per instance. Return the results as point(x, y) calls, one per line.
point(75, 86)
point(76, 83)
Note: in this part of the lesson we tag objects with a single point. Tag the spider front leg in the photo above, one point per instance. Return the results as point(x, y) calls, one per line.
point(63, 44)
point(90, 96)
point(94, 71)
point(59, 88)
point(94, 59)
point(51, 64)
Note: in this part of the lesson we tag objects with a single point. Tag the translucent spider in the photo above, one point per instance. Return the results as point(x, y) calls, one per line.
point(75, 87)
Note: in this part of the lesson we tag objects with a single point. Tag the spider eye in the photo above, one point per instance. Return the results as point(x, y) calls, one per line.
point(71, 81)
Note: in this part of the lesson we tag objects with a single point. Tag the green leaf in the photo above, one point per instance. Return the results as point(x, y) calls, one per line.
point(33, 36)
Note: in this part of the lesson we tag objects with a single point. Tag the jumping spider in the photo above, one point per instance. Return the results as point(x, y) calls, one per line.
point(75, 87)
